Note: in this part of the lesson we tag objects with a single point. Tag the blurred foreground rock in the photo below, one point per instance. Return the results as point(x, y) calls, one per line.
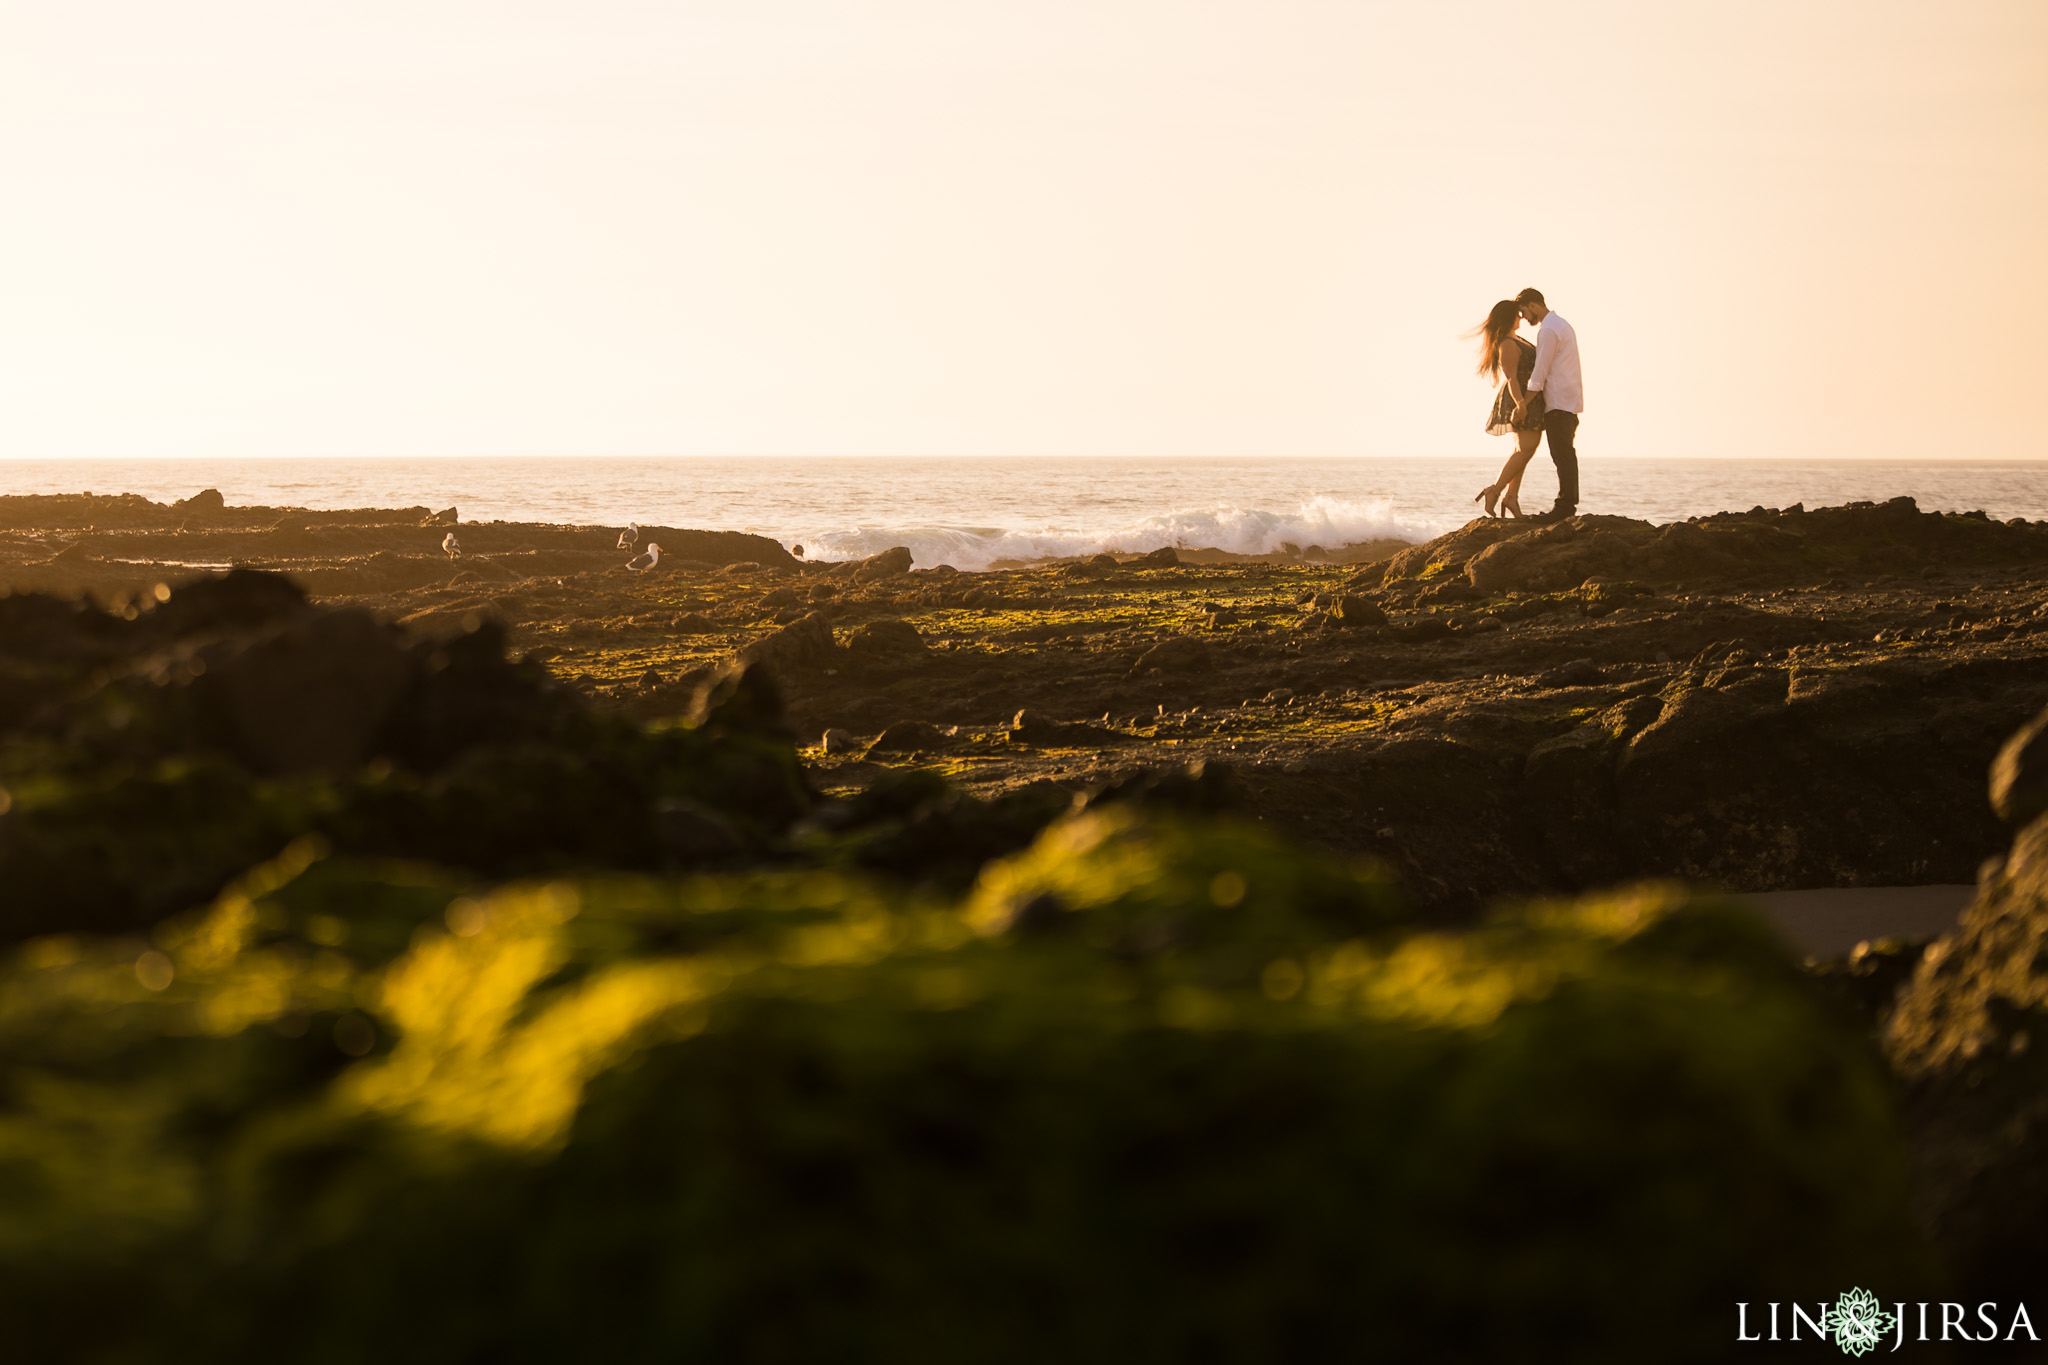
point(146, 761)
point(1153, 1089)
point(1971, 1036)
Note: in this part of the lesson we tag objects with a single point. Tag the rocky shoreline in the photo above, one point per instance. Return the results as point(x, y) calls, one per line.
point(1254, 782)
point(1502, 711)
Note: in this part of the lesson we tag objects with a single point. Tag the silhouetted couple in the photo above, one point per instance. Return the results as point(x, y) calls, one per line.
point(1539, 397)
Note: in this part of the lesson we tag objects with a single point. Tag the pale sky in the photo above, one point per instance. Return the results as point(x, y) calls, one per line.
point(1066, 227)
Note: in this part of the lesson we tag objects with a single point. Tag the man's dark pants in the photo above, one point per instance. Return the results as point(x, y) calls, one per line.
point(1560, 429)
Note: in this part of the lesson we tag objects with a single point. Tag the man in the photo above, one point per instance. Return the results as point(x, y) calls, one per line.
point(1556, 377)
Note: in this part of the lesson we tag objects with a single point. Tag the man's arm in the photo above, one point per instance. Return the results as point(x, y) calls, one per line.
point(1546, 356)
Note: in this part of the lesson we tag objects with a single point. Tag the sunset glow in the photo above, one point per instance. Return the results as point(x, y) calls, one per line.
point(452, 228)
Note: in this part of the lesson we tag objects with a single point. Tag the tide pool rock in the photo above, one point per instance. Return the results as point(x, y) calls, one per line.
point(888, 564)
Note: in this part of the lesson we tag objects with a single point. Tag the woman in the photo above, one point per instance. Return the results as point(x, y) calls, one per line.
point(1508, 358)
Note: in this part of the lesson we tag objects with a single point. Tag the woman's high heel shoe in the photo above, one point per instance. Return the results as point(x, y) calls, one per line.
point(1487, 495)
point(1511, 506)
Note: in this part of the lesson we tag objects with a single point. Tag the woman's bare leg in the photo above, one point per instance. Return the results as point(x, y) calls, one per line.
point(1511, 472)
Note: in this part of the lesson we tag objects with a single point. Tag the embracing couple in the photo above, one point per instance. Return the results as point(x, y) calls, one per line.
point(1539, 396)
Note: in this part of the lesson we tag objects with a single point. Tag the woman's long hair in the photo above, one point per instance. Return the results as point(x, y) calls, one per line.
point(1493, 336)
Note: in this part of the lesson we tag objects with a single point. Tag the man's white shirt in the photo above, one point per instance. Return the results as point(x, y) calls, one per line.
point(1556, 375)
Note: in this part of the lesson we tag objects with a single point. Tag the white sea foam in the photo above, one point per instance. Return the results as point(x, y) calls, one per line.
point(1325, 522)
point(974, 512)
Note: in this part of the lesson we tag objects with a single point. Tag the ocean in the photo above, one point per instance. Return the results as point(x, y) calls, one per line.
point(973, 512)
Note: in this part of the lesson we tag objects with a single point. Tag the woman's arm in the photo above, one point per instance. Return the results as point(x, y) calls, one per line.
point(1513, 374)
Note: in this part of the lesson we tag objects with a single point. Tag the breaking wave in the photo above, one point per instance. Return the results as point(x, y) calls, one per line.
point(1324, 522)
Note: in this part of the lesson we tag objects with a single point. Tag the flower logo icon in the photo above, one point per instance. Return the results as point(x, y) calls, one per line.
point(1858, 1322)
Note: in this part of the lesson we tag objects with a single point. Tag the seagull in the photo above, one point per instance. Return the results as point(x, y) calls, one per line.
point(452, 545)
point(797, 550)
point(630, 536)
point(646, 561)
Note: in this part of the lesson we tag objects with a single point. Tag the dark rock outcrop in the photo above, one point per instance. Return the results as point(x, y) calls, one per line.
point(739, 699)
point(889, 563)
point(806, 643)
point(1497, 556)
point(240, 599)
point(1173, 655)
point(311, 697)
point(682, 545)
point(909, 736)
point(885, 639)
point(2019, 775)
point(1352, 610)
point(1577, 673)
point(1036, 728)
point(1200, 787)
point(1753, 775)
point(1970, 1035)
point(1096, 566)
point(168, 751)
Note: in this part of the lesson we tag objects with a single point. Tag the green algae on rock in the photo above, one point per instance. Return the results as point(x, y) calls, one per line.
point(1219, 1101)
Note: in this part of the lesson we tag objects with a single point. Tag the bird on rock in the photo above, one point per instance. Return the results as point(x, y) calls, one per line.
point(453, 546)
point(629, 537)
point(646, 561)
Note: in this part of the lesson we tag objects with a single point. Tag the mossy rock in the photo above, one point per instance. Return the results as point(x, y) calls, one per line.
point(119, 848)
point(1154, 1089)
